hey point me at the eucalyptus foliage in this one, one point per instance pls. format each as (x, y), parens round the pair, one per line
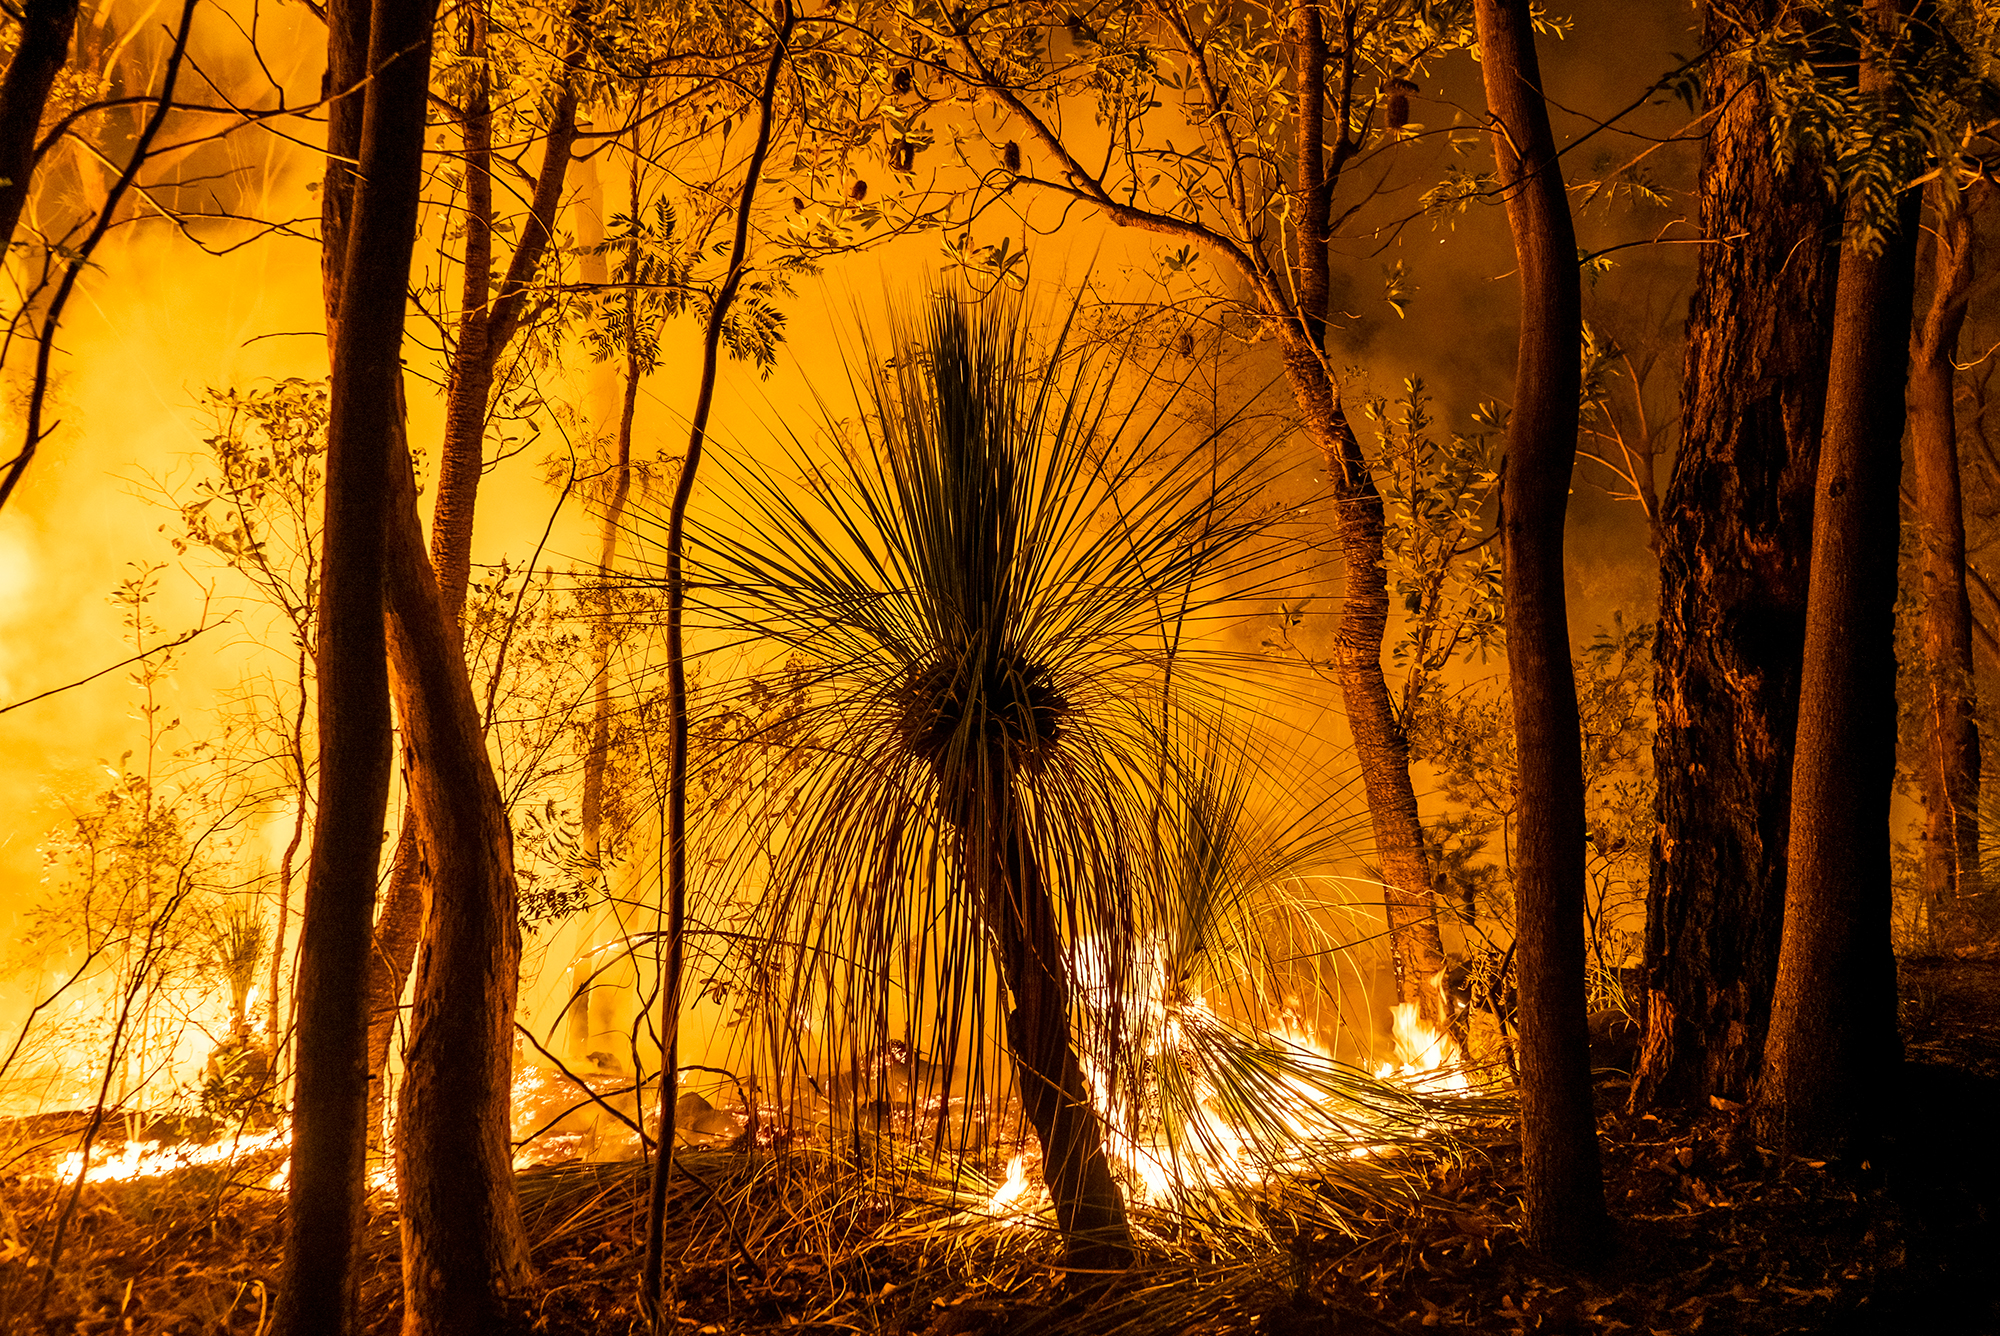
(1943, 98)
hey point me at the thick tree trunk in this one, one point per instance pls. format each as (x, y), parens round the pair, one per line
(39, 56)
(1945, 752)
(1833, 1015)
(1735, 540)
(464, 1253)
(1559, 1158)
(324, 1214)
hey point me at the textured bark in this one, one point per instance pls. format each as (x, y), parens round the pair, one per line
(1828, 1058)
(398, 928)
(1735, 543)
(1090, 1211)
(1416, 945)
(39, 56)
(324, 1215)
(1562, 1178)
(464, 1253)
(1945, 751)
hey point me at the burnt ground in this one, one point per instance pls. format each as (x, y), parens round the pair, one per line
(1711, 1234)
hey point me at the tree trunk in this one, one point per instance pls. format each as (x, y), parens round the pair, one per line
(397, 930)
(1006, 884)
(1379, 740)
(652, 1267)
(1945, 752)
(1735, 537)
(1416, 946)
(1292, 297)
(464, 1252)
(488, 319)
(324, 1214)
(43, 48)
(1559, 1158)
(274, 1023)
(590, 813)
(1833, 1014)
(487, 323)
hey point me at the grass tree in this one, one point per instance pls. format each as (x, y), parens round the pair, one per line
(982, 593)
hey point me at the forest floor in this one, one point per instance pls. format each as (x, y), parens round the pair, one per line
(1710, 1234)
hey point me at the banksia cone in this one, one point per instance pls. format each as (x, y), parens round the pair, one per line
(859, 191)
(1399, 103)
(1011, 156)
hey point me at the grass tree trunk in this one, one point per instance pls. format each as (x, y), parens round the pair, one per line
(1559, 1157)
(999, 859)
(1945, 751)
(1735, 546)
(324, 1214)
(1833, 1014)
(1292, 294)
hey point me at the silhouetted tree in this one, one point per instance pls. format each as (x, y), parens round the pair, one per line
(324, 1214)
(1559, 1159)
(1833, 1015)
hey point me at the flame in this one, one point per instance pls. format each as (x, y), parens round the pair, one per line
(1297, 1123)
(1003, 1200)
(149, 1159)
(1424, 1055)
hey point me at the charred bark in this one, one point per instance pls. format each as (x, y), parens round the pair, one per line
(1735, 538)
(1090, 1210)
(39, 56)
(1945, 752)
(1559, 1157)
(324, 1215)
(1833, 1016)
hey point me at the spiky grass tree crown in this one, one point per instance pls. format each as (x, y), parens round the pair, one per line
(988, 591)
